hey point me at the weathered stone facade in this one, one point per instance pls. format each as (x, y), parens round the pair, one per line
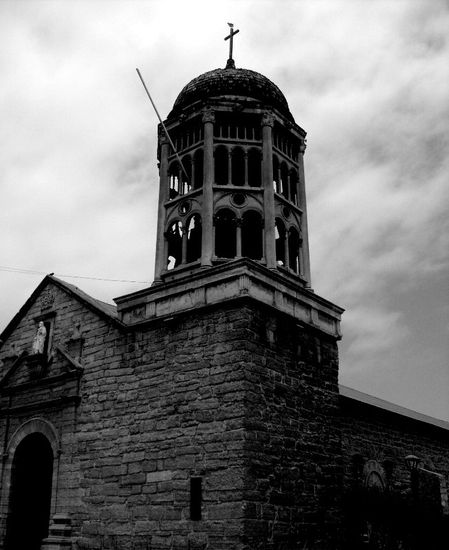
(204, 411)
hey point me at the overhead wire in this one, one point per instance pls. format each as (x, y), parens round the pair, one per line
(23, 271)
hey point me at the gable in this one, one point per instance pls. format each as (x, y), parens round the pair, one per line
(71, 321)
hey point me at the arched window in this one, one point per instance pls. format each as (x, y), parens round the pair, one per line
(174, 248)
(225, 234)
(254, 168)
(252, 240)
(280, 242)
(194, 238)
(284, 180)
(293, 249)
(198, 167)
(173, 179)
(221, 165)
(294, 186)
(186, 179)
(238, 166)
(276, 175)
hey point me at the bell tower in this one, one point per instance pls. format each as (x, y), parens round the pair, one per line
(237, 355)
(234, 187)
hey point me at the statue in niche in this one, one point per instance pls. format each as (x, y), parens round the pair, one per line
(39, 339)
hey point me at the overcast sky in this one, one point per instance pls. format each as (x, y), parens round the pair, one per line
(368, 81)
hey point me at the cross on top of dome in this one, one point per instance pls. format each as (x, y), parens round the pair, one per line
(230, 63)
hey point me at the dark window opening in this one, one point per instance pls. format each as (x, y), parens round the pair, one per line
(254, 168)
(194, 238)
(221, 166)
(174, 241)
(238, 166)
(196, 498)
(198, 161)
(280, 242)
(252, 238)
(293, 249)
(225, 234)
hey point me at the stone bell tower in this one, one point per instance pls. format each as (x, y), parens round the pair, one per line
(236, 353)
(234, 187)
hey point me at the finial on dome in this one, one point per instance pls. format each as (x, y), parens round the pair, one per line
(230, 63)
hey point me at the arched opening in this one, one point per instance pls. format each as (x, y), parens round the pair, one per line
(198, 162)
(254, 168)
(194, 238)
(221, 165)
(186, 175)
(280, 242)
(293, 249)
(173, 181)
(276, 175)
(225, 234)
(284, 180)
(294, 187)
(30, 496)
(252, 239)
(238, 166)
(174, 242)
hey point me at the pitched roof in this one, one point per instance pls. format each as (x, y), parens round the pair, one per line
(103, 309)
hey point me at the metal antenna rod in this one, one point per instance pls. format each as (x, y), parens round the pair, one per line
(163, 126)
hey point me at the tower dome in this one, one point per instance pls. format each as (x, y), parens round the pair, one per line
(232, 81)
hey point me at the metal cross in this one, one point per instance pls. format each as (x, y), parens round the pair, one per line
(231, 38)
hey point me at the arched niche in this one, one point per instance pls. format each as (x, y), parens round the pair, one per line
(29, 484)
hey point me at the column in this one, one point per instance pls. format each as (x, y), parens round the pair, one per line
(161, 260)
(303, 206)
(238, 233)
(246, 167)
(229, 166)
(268, 194)
(208, 180)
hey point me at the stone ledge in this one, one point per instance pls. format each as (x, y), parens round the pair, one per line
(218, 284)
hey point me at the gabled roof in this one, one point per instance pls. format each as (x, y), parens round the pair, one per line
(106, 311)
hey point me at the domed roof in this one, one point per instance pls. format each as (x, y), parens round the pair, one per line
(232, 81)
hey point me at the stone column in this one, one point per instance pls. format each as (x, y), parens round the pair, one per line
(208, 180)
(303, 206)
(161, 260)
(268, 194)
(238, 234)
(229, 166)
(246, 167)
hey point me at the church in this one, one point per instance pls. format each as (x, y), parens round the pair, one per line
(204, 412)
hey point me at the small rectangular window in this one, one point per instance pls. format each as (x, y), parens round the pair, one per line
(195, 498)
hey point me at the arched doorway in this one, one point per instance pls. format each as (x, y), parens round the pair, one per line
(30, 493)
